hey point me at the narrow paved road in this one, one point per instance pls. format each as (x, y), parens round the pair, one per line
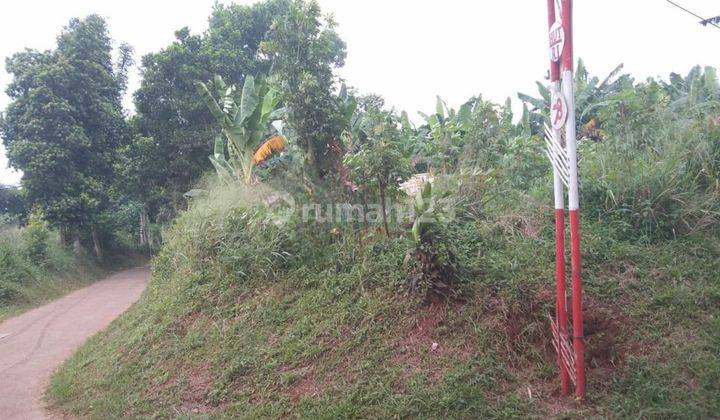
(35, 343)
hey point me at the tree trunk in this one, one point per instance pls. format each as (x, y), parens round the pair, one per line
(365, 209)
(77, 247)
(312, 159)
(96, 243)
(63, 236)
(144, 226)
(384, 211)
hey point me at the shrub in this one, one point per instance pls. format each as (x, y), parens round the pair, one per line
(654, 191)
(431, 264)
(13, 268)
(35, 237)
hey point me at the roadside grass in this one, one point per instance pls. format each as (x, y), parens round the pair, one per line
(27, 282)
(230, 326)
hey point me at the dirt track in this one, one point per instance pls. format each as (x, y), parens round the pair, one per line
(35, 343)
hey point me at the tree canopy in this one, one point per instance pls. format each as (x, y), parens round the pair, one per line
(305, 49)
(65, 121)
(169, 109)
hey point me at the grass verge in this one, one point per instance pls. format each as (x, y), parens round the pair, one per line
(35, 269)
(243, 319)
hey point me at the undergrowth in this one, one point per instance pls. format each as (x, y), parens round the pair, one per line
(247, 316)
(34, 268)
(252, 312)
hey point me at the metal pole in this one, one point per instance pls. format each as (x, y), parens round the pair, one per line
(560, 293)
(574, 207)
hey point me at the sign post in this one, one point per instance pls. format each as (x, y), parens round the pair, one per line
(558, 116)
(564, 161)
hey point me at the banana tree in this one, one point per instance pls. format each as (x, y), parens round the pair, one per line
(699, 90)
(431, 264)
(441, 139)
(244, 118)
(590, 94)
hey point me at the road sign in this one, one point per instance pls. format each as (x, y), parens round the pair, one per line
(558, 110)
(570, 347)
(557, 155)
(557, 41)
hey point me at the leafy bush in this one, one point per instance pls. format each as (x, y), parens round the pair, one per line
(35, 268)
(431, 265)
(35, 237)
(13, 268)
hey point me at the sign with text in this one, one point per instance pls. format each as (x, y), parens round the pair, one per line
(557, 41)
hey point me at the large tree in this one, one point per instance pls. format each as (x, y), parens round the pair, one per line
(305, 49)
(65, 123)
(11, 201)
(169, 108)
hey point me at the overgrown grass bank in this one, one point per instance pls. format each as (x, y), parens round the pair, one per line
(245, 317)
(252, 312)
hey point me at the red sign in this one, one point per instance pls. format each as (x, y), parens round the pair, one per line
(558, 111)
(557, 41)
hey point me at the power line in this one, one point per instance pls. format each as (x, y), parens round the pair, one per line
(703, 21)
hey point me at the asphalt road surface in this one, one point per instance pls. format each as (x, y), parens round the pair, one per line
(34, 344)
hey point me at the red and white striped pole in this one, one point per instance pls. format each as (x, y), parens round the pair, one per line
(560, 293)
(573, 200)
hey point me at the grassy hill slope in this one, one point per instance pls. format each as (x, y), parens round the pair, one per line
(247, 318)
(252, 315)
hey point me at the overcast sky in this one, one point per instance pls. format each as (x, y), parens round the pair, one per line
(411, 50)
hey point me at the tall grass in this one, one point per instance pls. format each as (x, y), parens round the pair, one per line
(35, 268)
(654, 183)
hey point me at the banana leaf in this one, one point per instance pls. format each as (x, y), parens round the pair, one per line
(350, 107)
(405, 121)
(544, 92)
(219, 85)
(270, 101)
(416, 233)
(223, 168)
(607, 82)
(209, 101)
(464, 116)
(535, 102)
(248, 101)
(440, 107)
(278, 114)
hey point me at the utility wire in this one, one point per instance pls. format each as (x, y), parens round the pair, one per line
(703, 21)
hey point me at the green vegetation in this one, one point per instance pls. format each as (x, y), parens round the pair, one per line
(248, 319)
(174, 117)
(298, 282)
(243, 117)
(377, 162)
(35, 268)
(304, 49)
(258, 311)
(65, 124)
(12, 204)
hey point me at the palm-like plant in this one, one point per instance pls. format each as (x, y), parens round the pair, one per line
(440, 139)
(590, 93)
(699, 90)
(431, 264)
(244, 118)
